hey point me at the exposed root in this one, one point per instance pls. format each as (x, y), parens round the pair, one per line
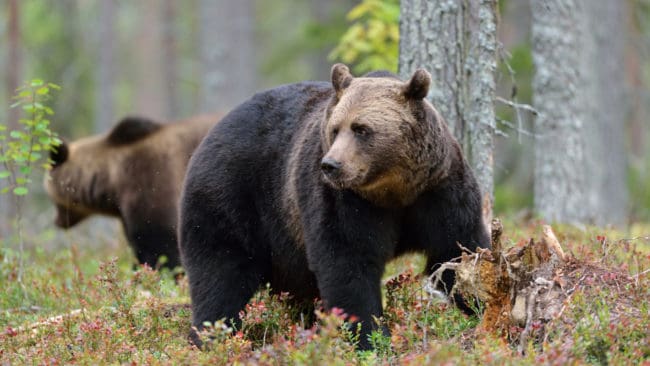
(527, 287)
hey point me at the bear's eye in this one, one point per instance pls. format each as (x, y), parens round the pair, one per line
(335, 132)
(360, 130)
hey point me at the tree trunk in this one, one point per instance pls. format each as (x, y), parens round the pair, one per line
(456, 42)
(605, 131)
(580, 168)
(170, 59)
(105, 116)
(150, 94)
(227, 53)
(559, 150)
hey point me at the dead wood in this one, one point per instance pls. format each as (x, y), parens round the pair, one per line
(525, 287)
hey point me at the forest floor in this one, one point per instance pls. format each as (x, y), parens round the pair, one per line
(84, 306)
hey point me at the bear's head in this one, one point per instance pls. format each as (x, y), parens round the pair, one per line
(82, 179)
(379, 136)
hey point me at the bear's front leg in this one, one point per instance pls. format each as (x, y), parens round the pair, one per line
(347, 251)
(442, 219)
(354, 287)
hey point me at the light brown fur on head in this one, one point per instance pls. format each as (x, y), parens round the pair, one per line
(383, 134)
(100, 176)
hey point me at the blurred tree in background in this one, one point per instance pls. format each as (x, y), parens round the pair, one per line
(463, 67)
(150, 57)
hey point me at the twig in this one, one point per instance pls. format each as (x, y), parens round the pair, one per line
(636, 276)
(436, 277)
(519, 130)
(526, 107)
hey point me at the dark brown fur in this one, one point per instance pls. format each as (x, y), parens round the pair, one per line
(313, 187)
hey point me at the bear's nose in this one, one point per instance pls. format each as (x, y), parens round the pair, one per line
(330, 166)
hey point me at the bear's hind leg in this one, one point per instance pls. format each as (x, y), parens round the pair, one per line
(220, 286)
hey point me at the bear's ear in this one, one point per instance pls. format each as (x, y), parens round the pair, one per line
(131, 129)
(59, 154)
(341, 78)
(418, 87)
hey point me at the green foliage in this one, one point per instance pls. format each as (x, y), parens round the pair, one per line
(55, 37)
(372, 41)
(22, 149)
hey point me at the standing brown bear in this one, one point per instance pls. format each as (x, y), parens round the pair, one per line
(313, 187)
(134, 173)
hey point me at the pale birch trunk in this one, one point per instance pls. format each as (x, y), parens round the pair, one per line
(456, 41)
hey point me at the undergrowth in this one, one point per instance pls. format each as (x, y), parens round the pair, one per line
(88, 307)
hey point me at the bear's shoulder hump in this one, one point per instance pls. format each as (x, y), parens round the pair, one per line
(131, 129)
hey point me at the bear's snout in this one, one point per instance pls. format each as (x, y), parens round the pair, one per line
(330, 167)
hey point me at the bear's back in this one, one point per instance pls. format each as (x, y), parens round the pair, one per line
(271, 116)
(259, 132)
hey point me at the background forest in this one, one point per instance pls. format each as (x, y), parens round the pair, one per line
(171, 59)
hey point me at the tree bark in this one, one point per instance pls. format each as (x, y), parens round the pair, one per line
(105, 115)
(580, 168)
(150, 95)
(227, 53)
(559, 150)
(456, 42)
(605, 133)
(170, 59)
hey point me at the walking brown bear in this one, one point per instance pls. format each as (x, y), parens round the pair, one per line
(313, 187)
(135, 173)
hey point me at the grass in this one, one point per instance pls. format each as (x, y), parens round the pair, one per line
(90, 307)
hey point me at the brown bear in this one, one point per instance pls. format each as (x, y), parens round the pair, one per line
(135, 173)
(313, 187)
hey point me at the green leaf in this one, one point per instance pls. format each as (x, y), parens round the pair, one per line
(43, 90)
(19, 158)
(20, 191)
(25, 170)
(16, 134)
(5, 174)
(21, 180)
(54, 86)
(36, 82)
(4, 190)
